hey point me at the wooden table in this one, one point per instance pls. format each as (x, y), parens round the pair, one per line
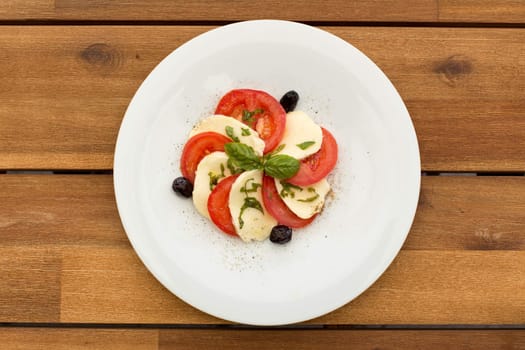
(68, 275)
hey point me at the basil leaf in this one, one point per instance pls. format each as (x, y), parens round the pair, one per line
(274, 152)
(231, 135)
(252, 202)
(214, 179)
(247, 190)
(278, 149)
(288, 190)
(242, 156)
(281, 166)
(245, 132)
(233, 169)
(249, 202)
(248, 116)
(309, 199)
(305, 144)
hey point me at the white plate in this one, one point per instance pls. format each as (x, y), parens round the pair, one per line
(376, 182)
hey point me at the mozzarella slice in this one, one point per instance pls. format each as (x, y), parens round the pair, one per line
(212, 168)
(220, 123)
(302, 137)
(256, 225)
(303, 201)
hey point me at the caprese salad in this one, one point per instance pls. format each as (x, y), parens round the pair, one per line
(257, 168)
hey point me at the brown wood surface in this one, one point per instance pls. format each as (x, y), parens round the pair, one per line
(69, 278)
(196, 339)
(463, 88)
(484, 11)
(488, 11)
(222, 10)
(341, 339)
(92, 339)
(64, 251)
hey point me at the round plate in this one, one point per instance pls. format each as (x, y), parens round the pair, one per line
(375, 183)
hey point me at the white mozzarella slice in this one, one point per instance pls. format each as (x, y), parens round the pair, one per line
(220, 124)
(210, 170)
(303, 201)
(256, 225)
(302, 137)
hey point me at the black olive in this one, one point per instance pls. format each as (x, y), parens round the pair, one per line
(281, 234)
(182, 186)
(289, 100)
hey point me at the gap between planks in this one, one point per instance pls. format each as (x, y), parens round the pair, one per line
(159, 23)
(241, 327)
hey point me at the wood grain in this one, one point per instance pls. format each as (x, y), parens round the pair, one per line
(463, 263)
(67, 339)
(469, 213)
(30, 284)
(196, 339)
(56, 210)
(221, 10)
(482, 11)
(462, 87)
(485, 11)
(340, 339)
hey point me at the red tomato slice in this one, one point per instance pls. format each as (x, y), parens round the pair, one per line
(197, 148)
(258, 110)
(277, 208)
(317, 166)
(218, 205)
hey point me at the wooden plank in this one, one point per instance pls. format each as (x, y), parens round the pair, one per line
(340, 339)
(55, 210)
(30, 284)
(85, 271)
(469, 213)
(482, 11)
(67, 339)
(195, 339)
(73, 86)
(485, 11)
(221, 10)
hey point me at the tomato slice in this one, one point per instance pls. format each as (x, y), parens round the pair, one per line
(317, 166)
(258, 110)
(277, 208)
(218, 205)
(197, 148)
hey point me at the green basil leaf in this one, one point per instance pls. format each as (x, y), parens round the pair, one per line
(248, 116)
(278, 149)
(274, 152)
(289, 190)
(249, 202)
(305, 144)
(242, 156)
(231, 135)
(309, 199)
(232, 167)
(254, 187)
(281, 166)
(245, 132)
(252, 202)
